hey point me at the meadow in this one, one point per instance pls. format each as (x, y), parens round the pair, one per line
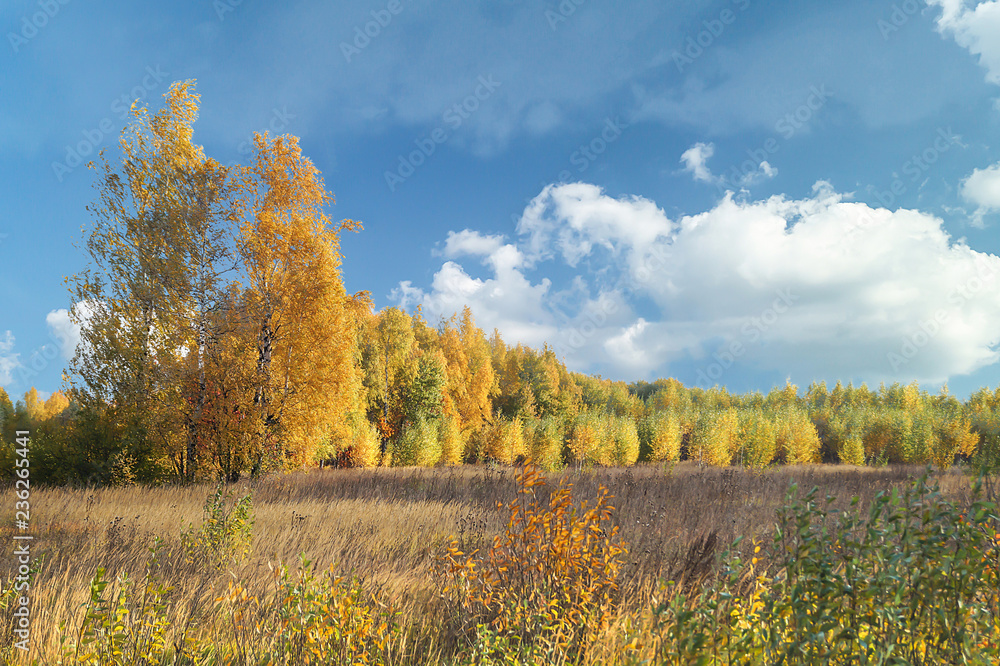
(344, 566)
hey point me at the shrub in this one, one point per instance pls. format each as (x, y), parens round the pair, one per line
(853, 451)
(715, 437)
(118, 630)
(756, 439)
(797, 441)
(588, 439)
(889, 435)
(418, 445)
(225, 536)
(916, 581)
(328, 620)
(504, 441)
(624, 440)
(364, 447)
(547, 583)
(953, 437)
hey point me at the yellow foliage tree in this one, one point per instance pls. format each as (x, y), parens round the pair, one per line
(306, 382)
(133, 302)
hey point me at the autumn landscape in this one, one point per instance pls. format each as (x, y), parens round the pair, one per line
(603, 431)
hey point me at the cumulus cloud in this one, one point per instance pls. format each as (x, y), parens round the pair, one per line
(975, 27)
(64, 330)
(8, 359)
(507, 301)
(821, 287)
(695, 160)
(982, 189)
(470, 242)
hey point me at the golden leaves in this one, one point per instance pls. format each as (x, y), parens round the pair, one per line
(551, 572)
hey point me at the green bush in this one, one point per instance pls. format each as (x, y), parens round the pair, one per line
(544, 439)
(119, 630)
(327, 619)
(225, 536)
(418, 445)
(913, 582)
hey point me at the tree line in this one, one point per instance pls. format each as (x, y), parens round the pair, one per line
(218, 340)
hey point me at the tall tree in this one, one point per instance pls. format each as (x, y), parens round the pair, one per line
(306, 382)
(389, 361)
(132, 301)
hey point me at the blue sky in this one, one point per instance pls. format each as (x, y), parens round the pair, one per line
(731, 192)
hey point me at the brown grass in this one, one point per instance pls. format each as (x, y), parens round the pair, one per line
(388, 526)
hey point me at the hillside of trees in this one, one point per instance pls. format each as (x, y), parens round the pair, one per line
(218, 340)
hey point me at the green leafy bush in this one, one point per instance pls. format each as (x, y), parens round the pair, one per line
(544, 439)
(117, 629)
(418, 445)
(916, 581)
(224, 538)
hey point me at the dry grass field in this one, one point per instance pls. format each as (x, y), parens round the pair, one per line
(389, 527)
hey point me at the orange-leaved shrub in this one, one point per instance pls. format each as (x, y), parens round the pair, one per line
(547, 586)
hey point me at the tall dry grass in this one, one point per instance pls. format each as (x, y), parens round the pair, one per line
(390, 526)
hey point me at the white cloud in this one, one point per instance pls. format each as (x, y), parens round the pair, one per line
(975, 28)
(695, 161)
(817, 287)
(572, 219)
(982, 188)
(8, 359)
(62, 328)
(471, 242)
(507, 301)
